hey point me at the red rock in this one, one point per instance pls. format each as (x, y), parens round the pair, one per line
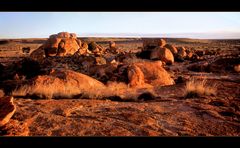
(153, 74)
(60, 83)
(162, 54)
(112, 44)
(135, 76)
(172, 48)
(182, 52)
(237, 68)
(63, 35)
(73, 35)
(7, 109)
(70, 46)
(62, 44)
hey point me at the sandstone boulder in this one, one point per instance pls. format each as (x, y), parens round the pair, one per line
(52, 43)
(70, 46)
(172, 48)
(60, 83)
(135, 76)
(7, 109)
(162, 54)
(62, 44)
(152, 72)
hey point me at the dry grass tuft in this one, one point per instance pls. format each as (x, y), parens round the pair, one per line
(121, 90)
(198, 88)
(46, 91)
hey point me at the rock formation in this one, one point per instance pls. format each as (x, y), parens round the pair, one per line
(152, 72)
(162, 54)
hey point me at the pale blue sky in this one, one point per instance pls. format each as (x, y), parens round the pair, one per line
(43, 24)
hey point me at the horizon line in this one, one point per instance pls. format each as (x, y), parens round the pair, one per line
(210, 35)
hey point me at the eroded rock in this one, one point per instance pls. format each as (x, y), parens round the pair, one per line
(7, 109)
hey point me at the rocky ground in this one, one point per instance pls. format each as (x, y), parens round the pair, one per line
(168, 113)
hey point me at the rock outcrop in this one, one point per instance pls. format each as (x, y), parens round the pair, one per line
(61, 44)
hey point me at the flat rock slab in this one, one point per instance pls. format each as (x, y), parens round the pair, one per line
(81, 117)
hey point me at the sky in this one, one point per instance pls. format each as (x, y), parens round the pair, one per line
(137, 24)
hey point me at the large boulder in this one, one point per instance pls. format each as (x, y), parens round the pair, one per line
(152, 72)
(60, 84)
(172, 48)
(7, 110)
(52, 44)
(61, 44)
(69, 47)
(162, 54)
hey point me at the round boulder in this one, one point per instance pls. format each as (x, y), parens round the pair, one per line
(163, 54)
(152, 72)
